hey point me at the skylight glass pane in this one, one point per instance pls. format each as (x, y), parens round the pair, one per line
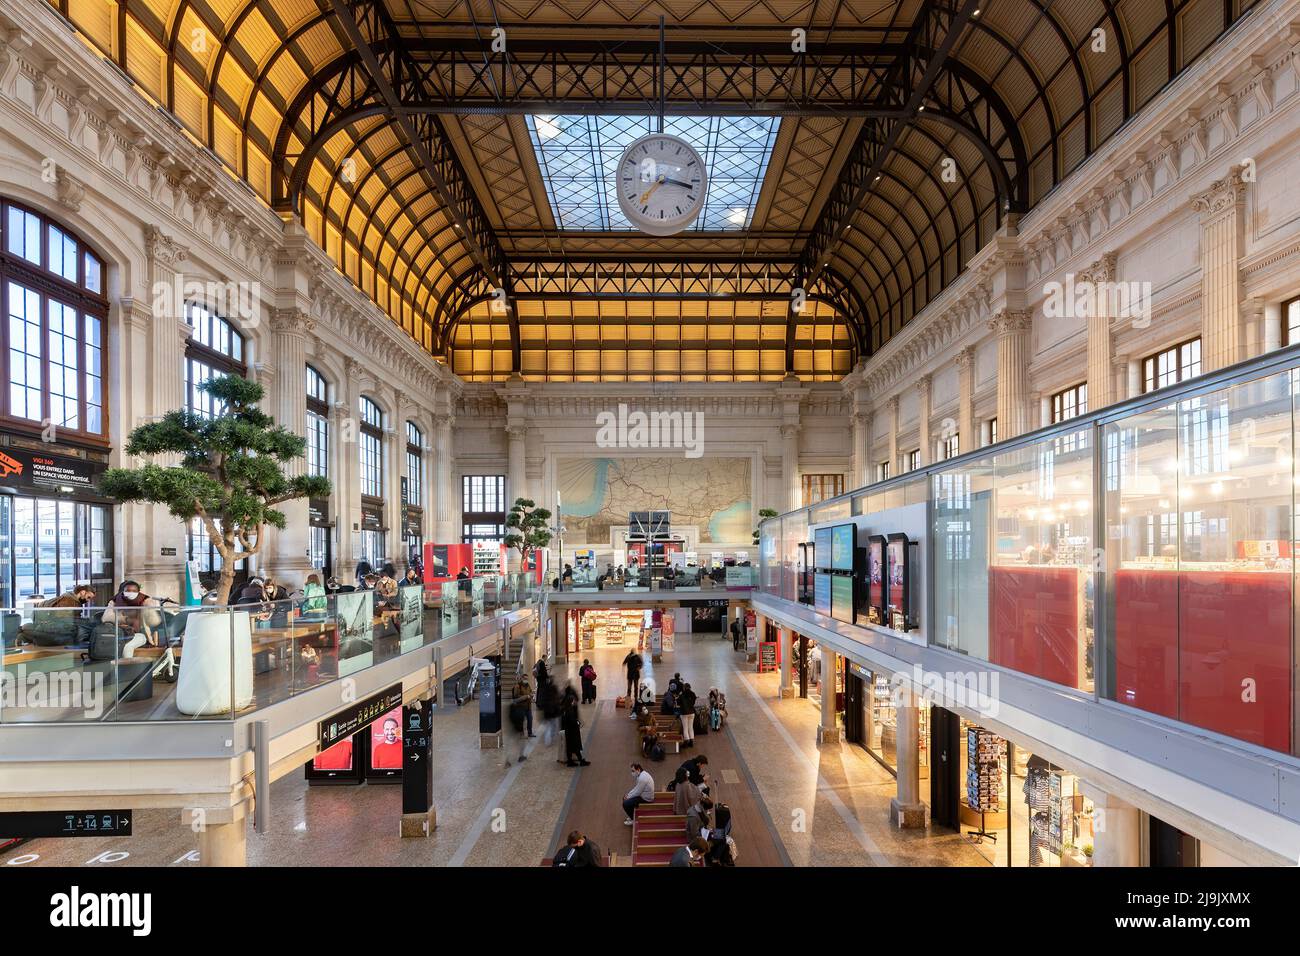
(578, 155)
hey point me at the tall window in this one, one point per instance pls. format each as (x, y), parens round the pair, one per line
(882, 471)
(821, 487)
(372, 449)
(52, 289)
(993, 431)
(914, 459)
(951, 447)
(1171, 366)
(1291, 321)
(1069, 403)
(318, 425)
(483, 508)
(414, 466)
(214, 348)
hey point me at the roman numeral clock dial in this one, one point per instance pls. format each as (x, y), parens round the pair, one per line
(661, 184)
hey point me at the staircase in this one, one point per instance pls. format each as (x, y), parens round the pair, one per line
(510, 668)
(657, 832)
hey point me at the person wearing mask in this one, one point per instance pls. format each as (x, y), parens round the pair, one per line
(332, 586)
(571, 726)
(588, 675)
(643, 791)
(368, 582)
(578, 851)
(697, 818)
(130, 605)
(686, 708)
(691, 854)
(632, 663)
(685, 793)
(277, 595)
(314, 600)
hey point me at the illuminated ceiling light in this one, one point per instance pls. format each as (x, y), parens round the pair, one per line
(546, 128)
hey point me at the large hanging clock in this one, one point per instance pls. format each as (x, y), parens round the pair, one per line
(661, 183)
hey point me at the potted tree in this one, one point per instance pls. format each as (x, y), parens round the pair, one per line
(230, 475)
(530, 529)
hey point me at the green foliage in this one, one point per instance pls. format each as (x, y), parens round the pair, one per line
(763, 515)
(530, 527)
(230, 472)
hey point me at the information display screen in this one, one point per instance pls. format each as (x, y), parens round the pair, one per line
(386, 744)
(843, 541)
(822, 540)
(842, 598)
(822, 593)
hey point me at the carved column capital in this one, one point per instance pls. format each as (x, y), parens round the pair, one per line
(1006, 322)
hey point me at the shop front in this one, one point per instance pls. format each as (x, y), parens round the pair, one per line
(588, 630)
(55, 529)
(871, 720)
(1015, 807)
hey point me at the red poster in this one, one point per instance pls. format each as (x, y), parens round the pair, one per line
(386, 741)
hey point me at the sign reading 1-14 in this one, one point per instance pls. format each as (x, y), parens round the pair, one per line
(66, 823)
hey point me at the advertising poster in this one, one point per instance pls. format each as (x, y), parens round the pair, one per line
(356, 623)
(822, 593)
(668, 626)
(897, 552)
(411, 618)
(450, 607)
(386, 745)
(751, 630)
(337, 758)
(842, 598)
(766, 656)
(843, 541)
(822, 540)
(476, 592)
(876, 576)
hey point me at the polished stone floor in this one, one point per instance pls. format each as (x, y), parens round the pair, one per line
(827, 805)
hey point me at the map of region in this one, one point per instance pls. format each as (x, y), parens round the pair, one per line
(711, 494)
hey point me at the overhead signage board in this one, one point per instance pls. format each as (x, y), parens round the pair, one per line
(347, 722)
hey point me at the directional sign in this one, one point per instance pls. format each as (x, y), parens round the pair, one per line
(66, 823)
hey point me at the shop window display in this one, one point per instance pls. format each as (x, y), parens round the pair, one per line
(880, 728)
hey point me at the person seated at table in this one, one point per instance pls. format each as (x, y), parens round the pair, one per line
(252, 598)
(386, 593)
(411, 577)
(314, 599)
(138, 620)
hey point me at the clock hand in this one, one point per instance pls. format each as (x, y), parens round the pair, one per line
(678, 182)
(645, 196)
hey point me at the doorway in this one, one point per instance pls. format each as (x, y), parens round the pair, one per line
(1170, 846)
(855, 702)
(48, 545)
(945, 776)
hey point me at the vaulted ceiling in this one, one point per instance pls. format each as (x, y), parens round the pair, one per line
(397, 130)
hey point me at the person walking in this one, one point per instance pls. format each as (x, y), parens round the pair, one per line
(573, 734)
(686, 708)
(643, 791)
(588, 675)
(521, 714)
(632, 663)
(691, 854)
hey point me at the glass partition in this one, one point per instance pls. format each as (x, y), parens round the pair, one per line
(1200, 545)
(794, 532)
(962, 532)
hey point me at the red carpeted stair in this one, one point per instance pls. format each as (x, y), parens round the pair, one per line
(657, 832)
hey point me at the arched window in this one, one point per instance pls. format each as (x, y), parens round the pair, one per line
(372, 449)
(318, 425)
(53, 297)
(215, 347)
(414, 465)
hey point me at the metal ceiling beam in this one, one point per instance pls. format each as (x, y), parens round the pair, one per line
(932, 37)
(393, 73)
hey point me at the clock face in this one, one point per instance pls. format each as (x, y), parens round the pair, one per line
(661, 184)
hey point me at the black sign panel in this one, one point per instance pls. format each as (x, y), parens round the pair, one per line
(371, 519)
(347, 722)
(711, 602)
(29, 469)
(766, 656)
(489, 699)
(66, 823)
(417, 757)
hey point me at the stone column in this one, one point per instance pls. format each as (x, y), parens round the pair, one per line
(1117, 829)
(790, 466)
(164, 392)
(906, 811)
(1222, 208)
(923, 386)
(861, 449)
(1132, 375)
(968, 434)
(394, 469)
(829, 731)
(223, 836)
(447, 503)
(786, 639)
(516, 477)
(1014, 331)
(894, 466)
(290, 327)
(1100, 378)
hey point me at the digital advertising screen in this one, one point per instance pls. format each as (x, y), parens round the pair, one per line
(822, 540)
(842, 598)
(338, 764)
(876, 575)
(843, 541)
(385, 758)
(897, 551)
(822, 593)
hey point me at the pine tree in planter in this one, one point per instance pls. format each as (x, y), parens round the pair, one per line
(230, 477)
(530, 529)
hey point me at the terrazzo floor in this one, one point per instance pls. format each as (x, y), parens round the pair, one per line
(823, 805)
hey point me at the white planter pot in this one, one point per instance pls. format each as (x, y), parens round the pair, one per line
(203, 684)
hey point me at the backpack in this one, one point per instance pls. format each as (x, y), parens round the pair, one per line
(657, 751)
(715, 719)
(562, 858)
